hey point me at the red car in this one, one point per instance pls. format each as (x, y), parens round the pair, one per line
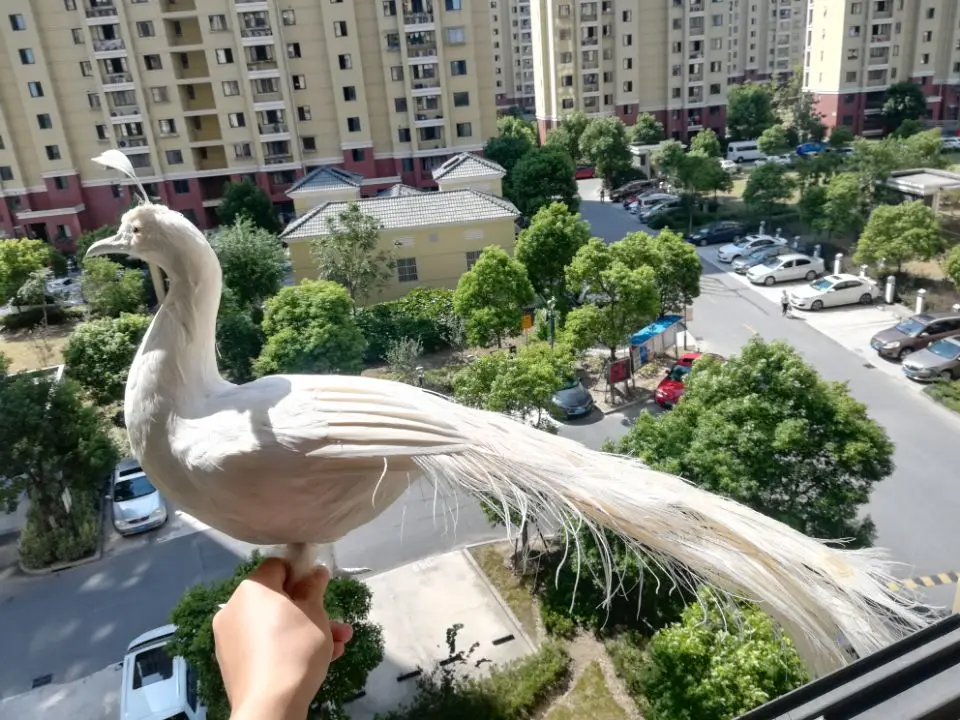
(670, 389)
(584, 172)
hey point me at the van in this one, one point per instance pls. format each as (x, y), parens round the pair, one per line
(744, 151)
(156, 686)
(647, 201)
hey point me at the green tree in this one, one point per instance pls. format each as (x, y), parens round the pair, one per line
(773, 140)
(347, 600)
(541, 177)
(706, 143)
(239, 339)
(647, 130)
(623, 293)
(548, 246)
(765, 430)
(669, 158)
(692, 174)
(51, 442)
(310, 328)
(604, 144)
(720, 661)
(899, 233)
(797, 109)
(769, 186)
(842, 204)
(246, 200)
(909, 128)
(110, 289)
(99, 354)
(951, 268)
(568, 133)
(349, 253)
(491, 297)
(812, 206)
(510, 126)
(675, 263)
(841, 136)
(18, 259)
(507, 151)
(253, 262)
(749, 111)
(904, 101)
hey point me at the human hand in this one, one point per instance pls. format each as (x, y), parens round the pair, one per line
(275, 644)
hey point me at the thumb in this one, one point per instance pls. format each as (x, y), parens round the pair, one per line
(313, 587)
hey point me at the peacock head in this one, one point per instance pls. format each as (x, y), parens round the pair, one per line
(154, 234)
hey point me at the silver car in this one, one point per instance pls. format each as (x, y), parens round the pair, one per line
(746, 245)
(834, 290)
(741, 265)
(137, 505)
(785, 268)
(939, 361)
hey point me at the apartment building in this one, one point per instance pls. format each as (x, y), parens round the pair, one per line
(512, 54)
(201, 93)
(673, 59)
(856, 50)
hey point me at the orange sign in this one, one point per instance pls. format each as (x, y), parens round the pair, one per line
(527, 321)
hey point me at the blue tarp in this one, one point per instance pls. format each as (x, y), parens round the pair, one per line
(655, 328)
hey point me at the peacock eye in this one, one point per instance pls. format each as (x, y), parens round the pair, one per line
(136, 230)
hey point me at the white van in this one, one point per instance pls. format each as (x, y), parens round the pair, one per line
(744, 151)
(155, 685)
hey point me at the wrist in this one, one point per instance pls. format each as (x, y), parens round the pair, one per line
(274, 705)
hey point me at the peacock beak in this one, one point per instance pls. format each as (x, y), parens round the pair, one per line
(116, 245)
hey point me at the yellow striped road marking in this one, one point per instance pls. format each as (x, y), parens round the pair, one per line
(925, 581)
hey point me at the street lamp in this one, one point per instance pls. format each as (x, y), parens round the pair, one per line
(551, 307)
(420, 375)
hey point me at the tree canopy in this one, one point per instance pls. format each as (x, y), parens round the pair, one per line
(350, 253)
(769, 185)
(899, 233)
(310, 328)
(773, 140)
(909, 128)
(110, 289)
(239, 338)
(253, 262)
(541, 177)
(568, 133)
(246, 200)
(99, 354)
(507, 151)
(765, 430)
(548, 246)
(511, 126)
(604, 144)
(18, 259)
(842, 205)
(675, 263)
(797, 109)
(904, 101)
(491, 297)
(706, 143)
(841, 136)
(749, 111)
(647, 130)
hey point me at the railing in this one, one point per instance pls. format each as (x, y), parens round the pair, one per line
(589, 41)
(117, 78)
(124, 111)
(428, 115)
(591, 88)
(882, 60)
(696, 55)
(108, 45)
(694, 122)
(589, 17)
(882, 14)
(591, 65)
(132, 141)
(696, 31)
(256, 32)
(261, 65)
(695, 77)
(278, 158)
(243, 2)
(696, 7)
(99, 12)
(267, 96)
(272, 128)
(877, 82)
(426, 85)
(880, 38)
(417, 18)
(424, 52)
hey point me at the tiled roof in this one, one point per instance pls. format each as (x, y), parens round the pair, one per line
(326, 178)
(466, 165)
(400, 190)
(408, 211)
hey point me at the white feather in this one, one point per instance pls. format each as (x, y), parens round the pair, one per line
(116, 160)
(303, 459)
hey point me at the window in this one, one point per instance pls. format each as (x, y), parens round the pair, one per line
(675, 93)
(299, 82)
(224, 56)
(928, 35)
(218, 23)
(456, 36)
(93, 99)
(406, 165)
(340, 28)
(61, 183)
(86, 68)
(174, 157)
(289, 17)
(353, 124)
(303, 113)
(293, 50)
(77, 35)
(53, 152)
(856, 8)
(458, 67)
(464, 130)
(36, 89)
(628, 63)
(6, 172)
(566, 103)
(44, 121)
(102, 132)
(396, 72)
(168, 127)
(851, 76)
(116, 191)
(181, 187)
(159, 95)
(403, 135)
(17, 22)
(566, 57)
(349, 93)
(309, 144)
(453, 5)
(628, 86)
(715, 89)
(853, 54)
(193, 699)
(627, 15)
(236, 120)
(152, 62)
(407, 269)
(461, 99)
(931, 13)
(627, 40)
(345, 61)
(389, 8)
(472, 257)
(145, 28)
(242, 150)
(358, 155)
(400, 104)
(26, 56)
(230, 88)
(925, 59)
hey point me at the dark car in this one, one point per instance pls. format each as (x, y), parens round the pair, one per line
(715, 233)
(573, 400)
(915, 333)
(631, 189)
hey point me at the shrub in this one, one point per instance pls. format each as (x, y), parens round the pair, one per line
(32, 317)
(945, 393)
(626, 653)
(424, 314)
(42, 545)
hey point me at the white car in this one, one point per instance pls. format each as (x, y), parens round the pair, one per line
(746, 245)
(156, 686)
(729, 166)
(951, 144)
(784, 268)
(834, 290)
(645, 202)
(786, 159)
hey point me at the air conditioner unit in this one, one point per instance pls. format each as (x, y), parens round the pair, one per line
(122, 143)
(114, 113)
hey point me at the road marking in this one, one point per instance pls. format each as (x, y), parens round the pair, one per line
(752, 331)
(925, 581)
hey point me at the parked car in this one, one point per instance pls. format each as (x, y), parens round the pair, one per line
(741, 265)
(671, 388)
(729, 165)
(155, 686)
(632, 188)
(746, 245)
(785, 159)
(810, 149)
(939, 361)
(915, 333)
(137, 505)
(658, 209)
(741, 151)
(723, 231)
(573, 400)
(584, 172)
(833, 291)
(786, 268)
(950, 144)
(648, 200)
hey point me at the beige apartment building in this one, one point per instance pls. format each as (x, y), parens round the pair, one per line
(673, 59)
(512, 54)
(201, 92)
(856, 50)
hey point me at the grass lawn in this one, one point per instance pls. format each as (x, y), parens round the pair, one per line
(589, 698)
(515, 591)
(27, 352)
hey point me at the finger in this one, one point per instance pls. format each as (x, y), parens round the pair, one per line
(341, 632)
(338, 650)
(313, 587)
(271, 573)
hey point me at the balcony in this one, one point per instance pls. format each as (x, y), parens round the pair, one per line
(129, 113)
(197, 97)
(882, 14)
(589, 41)
(101, 14)
(418, 20)
(191, 65)
(133, 144)
(432, 144)
(589, 17)
(183, 7)
(244, 6)
(695, 77)
(106, 49)
(591, 88)
(696, 6)
(274, 128)
(423, 87)
(428, 118)
(696, 31)
(116, 82)
(183, 32)
(261, 62)
(213, 157)
(274, 96)
(421, 45)
(880, 38)
(879, 60)
(590, 65)
(251, 37)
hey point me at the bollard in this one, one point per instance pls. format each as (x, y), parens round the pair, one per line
(863, 271)
(796, 242)
(816, 250)
(778, 232)
(763, 225)
(890, 291)
(921, 300)
(956, 308)
(837, 263)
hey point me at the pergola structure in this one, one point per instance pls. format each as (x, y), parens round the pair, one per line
(924, 183)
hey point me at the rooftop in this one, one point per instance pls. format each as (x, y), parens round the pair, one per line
(923, 181)
(399, 190)
(325, 179)
(467, 165)
(408, 210)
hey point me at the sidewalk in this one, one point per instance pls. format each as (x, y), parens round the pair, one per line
(415, 604)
